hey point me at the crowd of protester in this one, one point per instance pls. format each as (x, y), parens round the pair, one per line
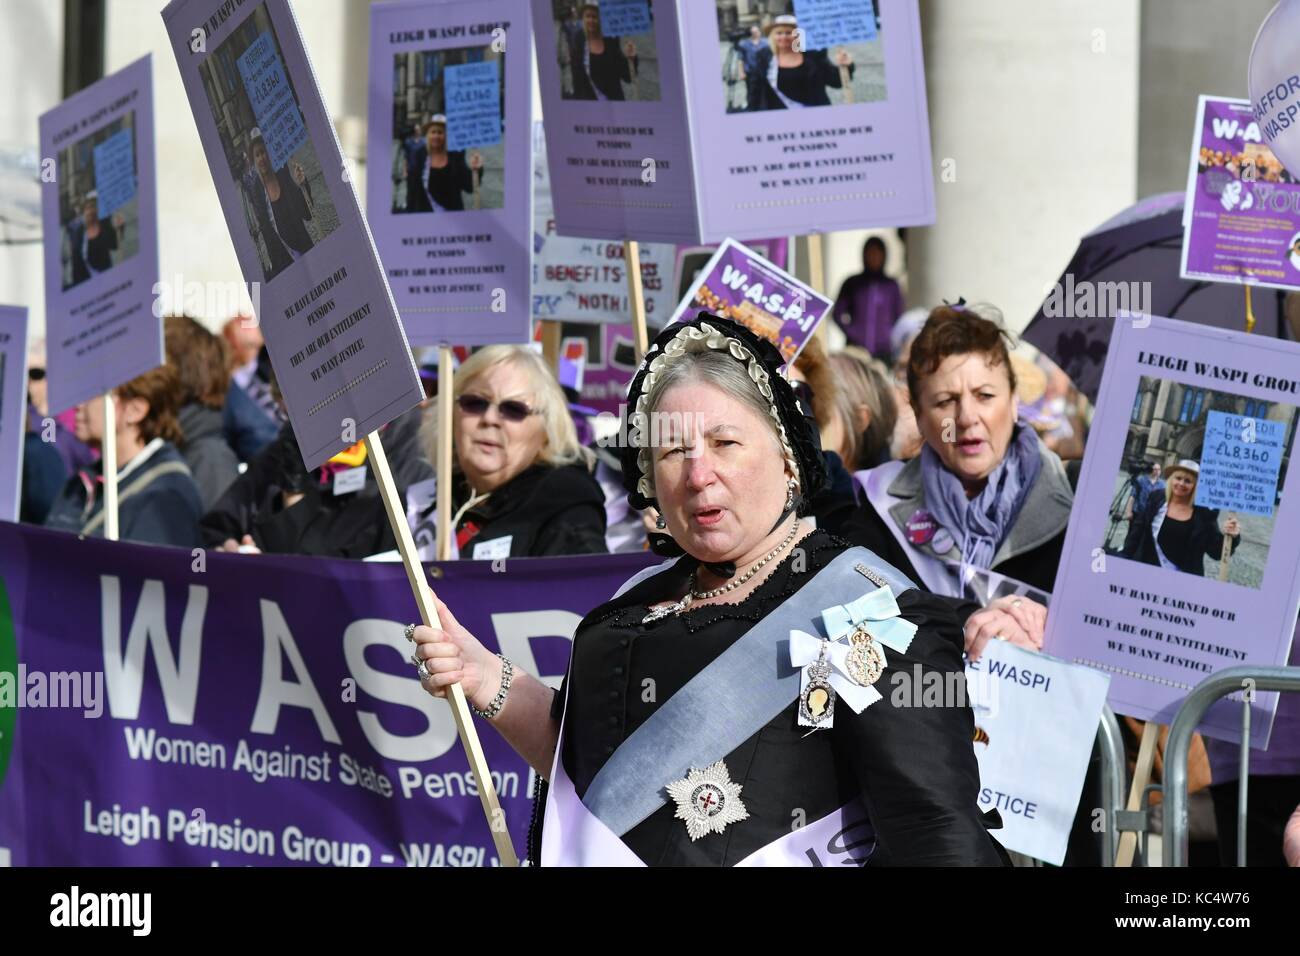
(922, 413)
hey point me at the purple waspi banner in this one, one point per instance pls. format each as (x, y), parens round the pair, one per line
(240, 709)
(1241, 220)
(341, 357)
(1162, 609)
(450, 205)
(13, 407)
(100, 214)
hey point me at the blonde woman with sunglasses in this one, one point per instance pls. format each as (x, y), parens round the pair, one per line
(523, 483)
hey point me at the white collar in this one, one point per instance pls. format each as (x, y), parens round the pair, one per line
(145, 453)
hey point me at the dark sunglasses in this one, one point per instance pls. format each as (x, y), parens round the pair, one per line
(36, 374)
(512, 410)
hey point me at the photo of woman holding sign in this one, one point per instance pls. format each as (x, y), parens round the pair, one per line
(794, 78)
(97, 202)
(1176, 533)
(280, 204)
(92, 241)
(267, 146)
(599, 65)
(438, 179)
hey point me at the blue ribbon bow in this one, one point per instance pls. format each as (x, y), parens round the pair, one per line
(878, 612)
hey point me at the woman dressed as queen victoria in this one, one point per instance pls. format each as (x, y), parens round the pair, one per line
(743, 687)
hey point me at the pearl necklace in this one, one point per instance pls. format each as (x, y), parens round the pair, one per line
(678, 607)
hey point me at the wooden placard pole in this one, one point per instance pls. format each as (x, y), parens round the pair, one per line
(446, 398)
(817, 277)
(816, 264)
(636, 295)
(1141, 775)
(429, 615)
(109, 462)
(552, 333)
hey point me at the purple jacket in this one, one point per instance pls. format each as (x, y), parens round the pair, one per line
(867, 308)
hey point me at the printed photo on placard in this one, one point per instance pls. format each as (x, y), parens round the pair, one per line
(287, 204)
(448, 130)
(792, 54)
(606, 50)
(1200, 480)
(97, 201)
(99, 224)
(1167, 577)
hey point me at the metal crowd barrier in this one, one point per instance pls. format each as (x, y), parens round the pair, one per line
(1180, 739)
(1114, 768)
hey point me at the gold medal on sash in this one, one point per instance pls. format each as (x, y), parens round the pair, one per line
(866, 661)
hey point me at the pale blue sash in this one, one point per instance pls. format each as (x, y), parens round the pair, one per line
(726, 703)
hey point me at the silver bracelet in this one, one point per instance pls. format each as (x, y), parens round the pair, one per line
(499, 701)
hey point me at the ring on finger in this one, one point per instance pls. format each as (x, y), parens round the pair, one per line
(1000, 637)
(409, 632)
(423, 671)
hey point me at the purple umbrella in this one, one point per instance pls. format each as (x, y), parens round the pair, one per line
(1132, 262)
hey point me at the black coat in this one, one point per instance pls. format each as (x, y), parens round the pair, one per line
(544, 510)
(1205, 538)
(344, 526)
(805, 83)
(447, 185)
(609, 71)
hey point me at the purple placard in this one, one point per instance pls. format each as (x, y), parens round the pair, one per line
(456, 241)
(799, 152)
(101, 271)
(1241, 219)
(740, 284)
(331, 327)
(585, 280)
(617, 134)
(263, 656)
(13, 407)
(1159, 630)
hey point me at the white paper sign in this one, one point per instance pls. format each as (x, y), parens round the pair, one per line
(1036, 718)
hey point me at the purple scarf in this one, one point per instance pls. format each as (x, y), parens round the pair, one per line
(980, 524)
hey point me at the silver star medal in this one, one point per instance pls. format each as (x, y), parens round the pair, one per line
(816, 695)
(707, 800)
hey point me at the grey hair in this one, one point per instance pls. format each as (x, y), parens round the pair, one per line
(723, 372)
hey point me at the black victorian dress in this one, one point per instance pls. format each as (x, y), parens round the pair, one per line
(913, 767)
